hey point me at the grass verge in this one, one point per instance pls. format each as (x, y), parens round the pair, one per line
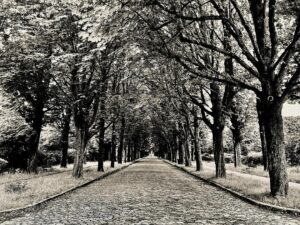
(293, 172)
(255, 187)
(21, 190)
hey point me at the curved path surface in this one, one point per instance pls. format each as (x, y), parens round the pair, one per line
(151, 192)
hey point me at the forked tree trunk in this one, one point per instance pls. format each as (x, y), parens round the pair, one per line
(64, 143)
(276, 150)
(81, 135)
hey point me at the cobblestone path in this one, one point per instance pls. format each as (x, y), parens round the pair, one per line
(151, 192)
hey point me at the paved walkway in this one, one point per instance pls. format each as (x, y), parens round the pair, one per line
(151, 192)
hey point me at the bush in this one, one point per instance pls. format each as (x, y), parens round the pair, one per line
(253, 159)
(3, 165)
(207, 157)
(48, 159)
(293, 153)
(13, 150)
(292, 129)
(228, 158)
(15, 187)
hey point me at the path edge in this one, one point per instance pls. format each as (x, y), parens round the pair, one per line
(10, 213)
(290, 211)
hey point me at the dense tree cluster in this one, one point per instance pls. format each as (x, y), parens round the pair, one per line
(180, 78)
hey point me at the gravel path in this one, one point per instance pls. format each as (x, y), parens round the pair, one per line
(151, 192)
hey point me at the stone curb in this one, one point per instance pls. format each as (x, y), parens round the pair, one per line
(10, 213)
(291, 211)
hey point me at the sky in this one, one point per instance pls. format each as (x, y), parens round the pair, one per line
(291, 109)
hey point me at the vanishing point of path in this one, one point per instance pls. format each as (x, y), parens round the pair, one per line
(151, 192)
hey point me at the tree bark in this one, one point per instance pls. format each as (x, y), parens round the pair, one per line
(34, 139)
(273, 122)
(262, 133)
(197, 145)
(217, 129)
(187, 147)
(237, 137)
(113, 145)
(134, 154)
(181, 151)
(219, 152)
(237, 152)
(125, 152)
(121, 146)
(64, 143)
(101, 144)
(129, 151)
(175, 146)
(33, 149)
(81, 134)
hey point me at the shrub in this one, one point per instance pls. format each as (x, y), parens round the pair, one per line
(207, 157)
(253, 159)
(293, 153)
(13, 150)
(48, 159)
(3, 165)
(228, 158)
(15, 187)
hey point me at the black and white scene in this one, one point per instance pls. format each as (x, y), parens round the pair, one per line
(150, 112)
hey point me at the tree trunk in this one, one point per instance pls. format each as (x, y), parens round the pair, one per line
(181, 152)
(175, 147)
(134, 150)
(218, 127)
(101, 145)
(80, 149)
(64, 143)
(33, 151)
(125, 151)
(113, 145)
(188, 157)
(34, 139)
(262, 133)
(237, 137)
(187, 147)
(219, 152)
(129, 151)
(120, 150)
(193, 151)
(276, 150)
(237, 153)
(198, 155)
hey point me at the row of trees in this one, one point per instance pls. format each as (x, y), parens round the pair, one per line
(198, 60)
(225, 48)
(56, 71)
